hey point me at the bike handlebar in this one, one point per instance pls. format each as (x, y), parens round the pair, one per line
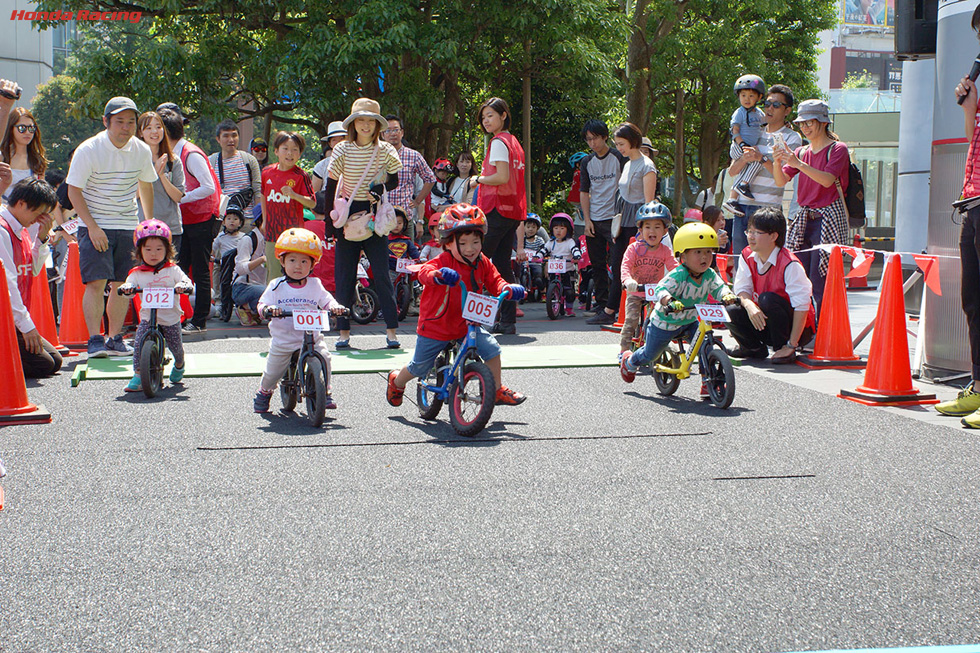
(136, 291)
(286, 312)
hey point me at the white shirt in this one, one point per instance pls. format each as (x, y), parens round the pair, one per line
(246, 254)
(798, 286)
(280, 294)
(197, 166)
(109, 177)
(498, 153)
(22, 318)
(167, 277)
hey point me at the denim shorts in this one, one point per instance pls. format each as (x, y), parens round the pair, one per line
(426, 350)
(113, 264)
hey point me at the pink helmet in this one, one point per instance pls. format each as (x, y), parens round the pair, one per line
(692, 215)
(151, 228)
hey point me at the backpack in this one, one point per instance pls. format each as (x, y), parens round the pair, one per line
(854, 197)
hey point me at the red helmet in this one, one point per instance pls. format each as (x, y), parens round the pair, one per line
(443, 164)
(434, 219)
(459, 218)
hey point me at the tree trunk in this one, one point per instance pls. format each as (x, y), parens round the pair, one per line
(527, 119)
(680, 174)
(637, 69)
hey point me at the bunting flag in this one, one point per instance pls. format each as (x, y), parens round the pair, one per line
(930, 270)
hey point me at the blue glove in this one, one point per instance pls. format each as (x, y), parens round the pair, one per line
(447, 277)
(517, 291)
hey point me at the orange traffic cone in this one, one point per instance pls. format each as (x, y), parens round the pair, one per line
(14, 406)
(42, 312)
(833, 348)
(73, 332)
(888, 379)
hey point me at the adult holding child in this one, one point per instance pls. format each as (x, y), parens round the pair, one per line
(775, 310)
(22, 148)
(502, 199)
(825, 165)
(362, 168)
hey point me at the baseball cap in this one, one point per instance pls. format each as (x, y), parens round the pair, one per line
(175, 107)
(119, 104)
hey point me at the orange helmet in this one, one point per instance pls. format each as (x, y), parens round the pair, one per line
(300, 241)
(462, 217)
(434, 219)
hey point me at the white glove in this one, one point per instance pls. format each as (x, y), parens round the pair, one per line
(632, 285)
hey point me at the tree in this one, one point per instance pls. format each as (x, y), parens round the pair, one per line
(63, 128)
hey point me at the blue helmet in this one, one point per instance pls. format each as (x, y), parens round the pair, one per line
(576, 158)
(533, 217)
(653, 211)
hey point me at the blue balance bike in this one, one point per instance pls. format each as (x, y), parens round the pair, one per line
(460, 377)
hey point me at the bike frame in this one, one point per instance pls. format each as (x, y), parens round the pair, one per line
(704, 333)
(463, 350)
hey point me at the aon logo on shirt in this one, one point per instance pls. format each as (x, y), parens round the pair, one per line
(276, 196)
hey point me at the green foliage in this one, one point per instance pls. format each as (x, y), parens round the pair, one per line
(862, 79)
(62, 128)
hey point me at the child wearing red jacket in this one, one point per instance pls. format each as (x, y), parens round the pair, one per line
(461, 231)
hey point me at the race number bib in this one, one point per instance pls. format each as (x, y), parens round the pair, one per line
(557, 266)
(311, 320)
(402, 265)
(71, 226)
(158, 297)
(712, 313)
(480, 309)
(650, 292)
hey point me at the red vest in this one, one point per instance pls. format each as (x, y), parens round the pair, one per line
(774, 279)
(23, 259)
(509, 199)
(203, 209)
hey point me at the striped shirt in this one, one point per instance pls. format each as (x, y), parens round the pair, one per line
(350, 160)
(109, 177)
(679, 284)
(235, 176)
(413, 165)
(763, 186)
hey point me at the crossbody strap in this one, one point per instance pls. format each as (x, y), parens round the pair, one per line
(364, 176)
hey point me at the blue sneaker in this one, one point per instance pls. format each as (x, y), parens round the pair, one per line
(176, 374)
(96, 347)
(135, 384)
(115, 346)
(261, 402)
(342, 344)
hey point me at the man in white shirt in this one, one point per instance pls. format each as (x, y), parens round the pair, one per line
(776, 309)
(105, 174)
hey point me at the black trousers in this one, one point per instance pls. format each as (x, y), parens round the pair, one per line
(604, 250)
(39, 366)
(970, 284)
(779, 324)
(497, 246)
(194, 259)
(348, 253)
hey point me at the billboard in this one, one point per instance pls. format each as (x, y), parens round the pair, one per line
(864, 13)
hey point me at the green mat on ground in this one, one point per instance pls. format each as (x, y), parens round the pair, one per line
(355, 361)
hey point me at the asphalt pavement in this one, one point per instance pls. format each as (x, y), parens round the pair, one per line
(596, 516)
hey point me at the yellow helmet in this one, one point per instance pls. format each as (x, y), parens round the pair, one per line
(300, 241)
(694, 235)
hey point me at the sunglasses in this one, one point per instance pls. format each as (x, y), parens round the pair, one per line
(26, 128)
(775, 104)
(260, 149)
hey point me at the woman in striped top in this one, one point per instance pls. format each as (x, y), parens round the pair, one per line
(348, 165)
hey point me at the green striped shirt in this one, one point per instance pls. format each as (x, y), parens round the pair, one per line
(679, 284)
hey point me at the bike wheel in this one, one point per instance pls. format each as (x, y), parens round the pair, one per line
(667, 383)
(589, 289)
(315, 385)
(403, 299)
(525, 281)
(555, 300)
(151, 365)
(471, 401)
(719, 375)
(429, 402)
(365, 308)
(288, 387)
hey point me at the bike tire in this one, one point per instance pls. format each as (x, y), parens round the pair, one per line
(667, 384)
(719, 376)
(288, 388)
(429, 402)
(403, 299)
(555, 300)
(151, 365)
(469, 416)
(589, 290)
(525, 281)
(365, 309)
(315, 384)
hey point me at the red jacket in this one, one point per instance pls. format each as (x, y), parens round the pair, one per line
(205, 208)
(441, 307)
(509, 199)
